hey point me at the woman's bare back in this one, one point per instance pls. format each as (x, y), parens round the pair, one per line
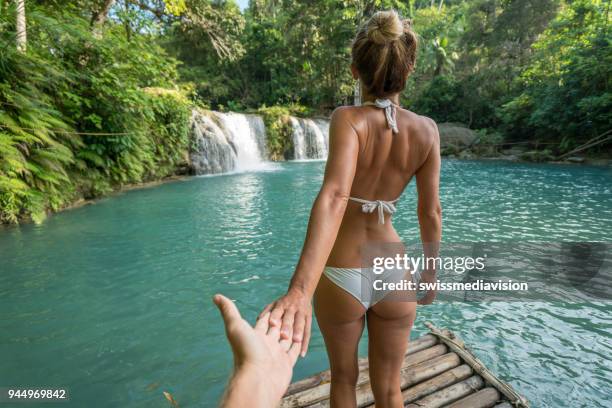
(385, 165)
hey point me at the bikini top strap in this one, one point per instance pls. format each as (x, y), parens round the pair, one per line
(382, 206)
(390, 111)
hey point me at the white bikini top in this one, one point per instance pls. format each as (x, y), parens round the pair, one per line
(368, 206)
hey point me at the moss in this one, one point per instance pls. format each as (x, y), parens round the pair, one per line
(278, 131)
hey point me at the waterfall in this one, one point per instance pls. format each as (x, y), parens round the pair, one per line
(248, 145)
(258, 129)
(323, 125)
(224, 142)
(235, 142)
(299, 144)
(210, 151)
(309, 138)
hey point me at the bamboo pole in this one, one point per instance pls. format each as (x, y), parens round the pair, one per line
(592, 142)
(485, 398)
(457, 346)
(413, 374)
(443, 380)
(408, 376)
(414, 346)
(436, 383)
(449, 394)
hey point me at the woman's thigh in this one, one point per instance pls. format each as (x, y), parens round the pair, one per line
(341, 319)
(389, 324)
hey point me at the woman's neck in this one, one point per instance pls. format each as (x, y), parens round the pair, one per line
(365, 97)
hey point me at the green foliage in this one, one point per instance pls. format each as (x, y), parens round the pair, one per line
(278, 131)
(566, 89)
(519, 68)
(35, 149)
(77, 117)
(208, 41)
(88, 109)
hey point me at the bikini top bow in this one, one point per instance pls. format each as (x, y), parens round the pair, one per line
(390, 111)
(368, 206)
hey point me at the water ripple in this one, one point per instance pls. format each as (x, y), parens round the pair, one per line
(113, 300)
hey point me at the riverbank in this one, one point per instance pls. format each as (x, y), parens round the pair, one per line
(212, 142)
(458, 141)
(528, 157)
(82, 202)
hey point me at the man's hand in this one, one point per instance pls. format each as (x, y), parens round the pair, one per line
(293, 314)
(262, 359)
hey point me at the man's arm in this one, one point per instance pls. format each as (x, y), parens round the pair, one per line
(263, 362)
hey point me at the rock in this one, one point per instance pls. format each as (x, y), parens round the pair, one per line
(466, 154)
(599, 162)
(509, 157)
(455, 135)
(537, 155)
(575, 159)
(210, 152)
(515, 151)
(449, 150)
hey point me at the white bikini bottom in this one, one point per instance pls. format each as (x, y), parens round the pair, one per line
(366, 286)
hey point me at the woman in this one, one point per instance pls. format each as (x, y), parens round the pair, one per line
(375, 150)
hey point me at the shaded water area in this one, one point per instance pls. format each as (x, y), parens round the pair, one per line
(112, 300)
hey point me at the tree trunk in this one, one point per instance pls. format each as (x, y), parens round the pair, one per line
(21, 26)
(126, 21)
(99, 17)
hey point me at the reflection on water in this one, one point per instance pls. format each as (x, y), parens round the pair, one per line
(113, 300)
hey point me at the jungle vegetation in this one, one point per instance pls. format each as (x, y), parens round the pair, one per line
(96, 94)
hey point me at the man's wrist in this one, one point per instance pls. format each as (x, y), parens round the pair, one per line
(258, 380)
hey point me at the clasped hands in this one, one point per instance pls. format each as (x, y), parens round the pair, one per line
(264, 355)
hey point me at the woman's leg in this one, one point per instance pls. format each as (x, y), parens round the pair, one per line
(341, 320)
(389, 324)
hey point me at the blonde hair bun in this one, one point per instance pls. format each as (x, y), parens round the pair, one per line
(385, 27)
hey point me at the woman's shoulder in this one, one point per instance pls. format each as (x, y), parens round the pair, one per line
(346, 114)
(422, 126)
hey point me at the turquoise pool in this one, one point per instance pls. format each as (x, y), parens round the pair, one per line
(112, 300)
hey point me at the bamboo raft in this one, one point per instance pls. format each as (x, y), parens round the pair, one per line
(438, 371)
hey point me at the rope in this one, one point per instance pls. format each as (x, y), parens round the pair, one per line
(450, 340)
(69, 132)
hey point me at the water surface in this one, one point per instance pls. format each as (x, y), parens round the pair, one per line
(113, 300)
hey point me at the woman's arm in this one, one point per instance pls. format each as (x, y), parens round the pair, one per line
(429, 209)
(293, 311)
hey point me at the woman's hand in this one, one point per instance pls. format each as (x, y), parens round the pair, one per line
(264, 362)
(428, 277)
(293, 314)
